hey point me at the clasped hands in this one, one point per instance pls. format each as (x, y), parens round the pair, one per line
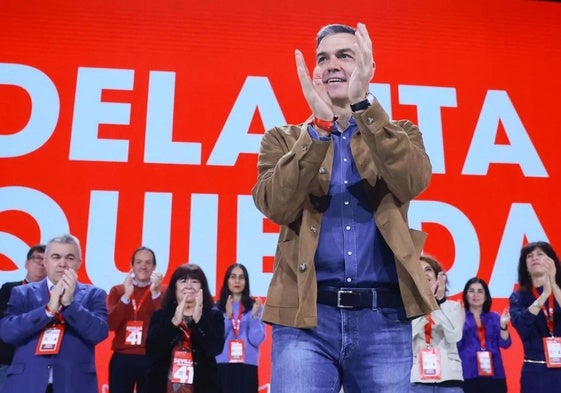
(63, 292)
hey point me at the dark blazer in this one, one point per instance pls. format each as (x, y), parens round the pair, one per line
(207, 341)
(6, 350)
(74, 366)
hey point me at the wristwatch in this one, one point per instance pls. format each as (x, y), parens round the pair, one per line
(361, 105)
(536, 304)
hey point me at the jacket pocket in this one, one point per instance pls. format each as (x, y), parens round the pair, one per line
(283, 289)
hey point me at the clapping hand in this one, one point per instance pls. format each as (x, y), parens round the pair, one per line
(179, 310)
(256, 307)
(68, 280)
(505, 318)
(156, 279)
(229, 308)
(439, 286)
(198, 311)
(128, 285)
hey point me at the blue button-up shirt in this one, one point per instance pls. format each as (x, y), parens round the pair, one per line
(351, 250)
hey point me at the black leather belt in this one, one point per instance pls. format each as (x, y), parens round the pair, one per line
(359, 297)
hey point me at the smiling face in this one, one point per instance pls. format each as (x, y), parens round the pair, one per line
(335, 62)
(143, 266)
(535, 262)
(187, 287)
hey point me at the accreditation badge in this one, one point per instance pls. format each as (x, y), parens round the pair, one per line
(50, 340)
(552, 349)
(182, 367)
(429, 361)
(237, 351)
(133, 333)
(485, 364)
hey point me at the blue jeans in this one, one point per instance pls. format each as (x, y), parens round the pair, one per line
(3, 374)
(362, 350)
(434, 388)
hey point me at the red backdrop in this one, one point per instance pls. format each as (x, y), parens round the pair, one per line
(131, 123)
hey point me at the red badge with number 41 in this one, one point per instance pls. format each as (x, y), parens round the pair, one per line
(182, 367)
(133, 333)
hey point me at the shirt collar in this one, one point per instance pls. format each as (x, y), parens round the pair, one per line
(140, 285)
(50, 284)
(350, 130)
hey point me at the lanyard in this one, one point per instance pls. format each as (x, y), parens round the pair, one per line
(428, 329)
(547, 311)
(186, 335)
(481, 333)
(136, 307)
(237, 322)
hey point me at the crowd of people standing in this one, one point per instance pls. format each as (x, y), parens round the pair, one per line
(352, 302)
(167, 338)
(177, 338)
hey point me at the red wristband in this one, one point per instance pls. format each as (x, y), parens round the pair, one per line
(325, 125)
(49, 311)
(55, 314)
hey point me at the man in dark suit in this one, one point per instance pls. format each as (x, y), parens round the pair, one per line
(35, 272)
(54, 325)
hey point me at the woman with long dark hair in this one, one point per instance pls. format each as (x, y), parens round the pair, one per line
(484, 332)
(536, 316)
(185, 336)
(244, 333)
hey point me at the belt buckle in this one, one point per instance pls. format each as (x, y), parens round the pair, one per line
(339, 292)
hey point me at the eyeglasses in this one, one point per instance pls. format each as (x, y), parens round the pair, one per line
(37, 258)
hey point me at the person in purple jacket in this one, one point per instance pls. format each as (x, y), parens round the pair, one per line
(536, 315)
(244, 333)
(485, 331)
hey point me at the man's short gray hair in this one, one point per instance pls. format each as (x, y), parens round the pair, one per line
(66, 239)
